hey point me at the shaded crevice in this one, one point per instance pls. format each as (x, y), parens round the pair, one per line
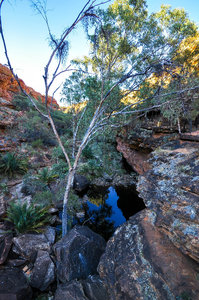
(126, 166)
(129, 201)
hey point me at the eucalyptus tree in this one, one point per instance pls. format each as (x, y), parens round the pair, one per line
(127, 47)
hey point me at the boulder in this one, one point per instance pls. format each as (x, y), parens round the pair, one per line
(78, 253)
(5, 245)
(72, 290)
(14, 285)
(27, 245)
(94, 288)
(171, 189)
(50, 234)
(140, 262)
(124, 181)
(81, 183)
(16, 262)
(43, 273)
(91, 288)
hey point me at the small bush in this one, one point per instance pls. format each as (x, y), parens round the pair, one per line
(74, 204)
(87, 152)
(47, 176)
(61, 169)
(34, 133)
(44, 198)
(4, 188)
(27, 218)
(37, 143)
(10, 164)
(32, 185)
(91, 169)
(21, 102)
(62, 122)
(57, 151)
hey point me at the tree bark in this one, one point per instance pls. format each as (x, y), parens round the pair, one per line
(70, 180)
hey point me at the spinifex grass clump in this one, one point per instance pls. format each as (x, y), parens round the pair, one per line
(10, 164)
(27, 218)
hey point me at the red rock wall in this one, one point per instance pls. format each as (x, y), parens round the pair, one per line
(9, 87)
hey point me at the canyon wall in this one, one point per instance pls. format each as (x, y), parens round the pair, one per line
(155, 255)
(9, 87)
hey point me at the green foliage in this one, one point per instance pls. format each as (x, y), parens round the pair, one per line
(73, 89)
(60, 168)
(32, 185)
(21, 102)
(35, 128)
(74, 204)
(176, 23)
(91, 169)
(37, 143)
(62, 122)
(44, 198)
(46, 176)
(11, 163)
(4, 188)
(87, 152)
(184, 296)
(57, 152)
(27, 218)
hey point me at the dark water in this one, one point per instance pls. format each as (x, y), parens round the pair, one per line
(117, 216)
(107, 209)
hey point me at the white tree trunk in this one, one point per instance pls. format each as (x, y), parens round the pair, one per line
(179, 127)
(70, 180)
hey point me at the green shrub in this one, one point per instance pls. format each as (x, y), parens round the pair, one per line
(91, 169)
(74, 203)
(47, 176)
(32, 185)
(37, 143)
(10, 163)
(61, 169)
(57, 152)
(87, 152)
(62, 122)
(42, 133)
(21, 102)
(4, 188)
(44, 198)
(27, 218)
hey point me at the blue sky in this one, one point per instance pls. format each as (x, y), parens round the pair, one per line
(26, 34)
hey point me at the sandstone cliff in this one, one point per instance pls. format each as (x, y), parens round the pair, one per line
(9, 87)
